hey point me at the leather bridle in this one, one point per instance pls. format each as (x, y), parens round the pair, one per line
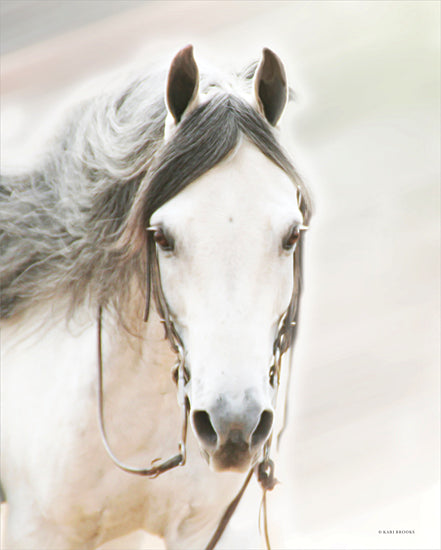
(284, 340)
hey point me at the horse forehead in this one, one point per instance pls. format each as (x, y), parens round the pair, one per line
(245, 186)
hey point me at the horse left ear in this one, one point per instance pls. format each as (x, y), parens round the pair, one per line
(182, 83)
(270, 86)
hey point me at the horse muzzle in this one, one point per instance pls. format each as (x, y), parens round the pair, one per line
(231, 439)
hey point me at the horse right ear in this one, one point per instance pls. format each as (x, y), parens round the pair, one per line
(182, 83)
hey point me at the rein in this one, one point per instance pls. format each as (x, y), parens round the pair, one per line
(284, 340)
(160, 467)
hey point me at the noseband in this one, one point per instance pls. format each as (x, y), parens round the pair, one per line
(284, 340)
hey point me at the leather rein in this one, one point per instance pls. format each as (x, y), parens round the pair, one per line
(264, 470)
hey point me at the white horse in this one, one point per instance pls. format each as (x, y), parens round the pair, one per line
(186, 197)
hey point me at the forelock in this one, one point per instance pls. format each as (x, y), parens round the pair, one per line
(202, 140)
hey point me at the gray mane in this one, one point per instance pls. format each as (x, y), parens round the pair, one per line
(64, 226)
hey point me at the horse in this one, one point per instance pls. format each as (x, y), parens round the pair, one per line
(166, 197)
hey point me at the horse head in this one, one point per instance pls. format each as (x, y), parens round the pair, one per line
(223, 219)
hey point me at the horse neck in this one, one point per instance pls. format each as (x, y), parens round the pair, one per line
(130, 346)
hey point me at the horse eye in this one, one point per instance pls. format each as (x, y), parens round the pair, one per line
(290, 240)
(165, 243)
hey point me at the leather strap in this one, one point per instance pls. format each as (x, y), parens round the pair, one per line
(228, 514)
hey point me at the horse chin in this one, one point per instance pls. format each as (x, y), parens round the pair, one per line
(226, 459)
(219, 466)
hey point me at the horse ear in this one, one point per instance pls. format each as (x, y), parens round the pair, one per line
(270, 86)
(182, 83)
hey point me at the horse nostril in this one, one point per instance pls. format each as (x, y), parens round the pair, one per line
(204, 428)
(262, 429)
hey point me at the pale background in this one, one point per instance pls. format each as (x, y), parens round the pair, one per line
(362, 449)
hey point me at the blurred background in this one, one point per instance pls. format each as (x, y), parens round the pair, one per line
(361, 453)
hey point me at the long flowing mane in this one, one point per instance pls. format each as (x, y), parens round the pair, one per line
(74, 225)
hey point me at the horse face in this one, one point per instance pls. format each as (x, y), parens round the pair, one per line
(225, 250)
